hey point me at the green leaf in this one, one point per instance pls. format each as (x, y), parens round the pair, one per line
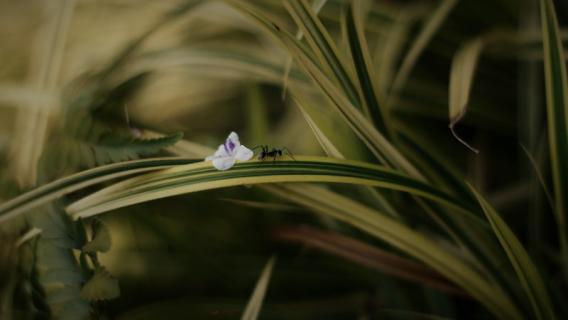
(327, 145)
(247, 61)
(317, 5)
(524, 267)
(58, 188)
(461, 79)
(403, 238)
(203, 176)
(366, 255)
(323, 46)
(430, 28)
(557, 112)
(101, 240)
(57, 270)
(365, 71)
(254, 304)
(101, 286)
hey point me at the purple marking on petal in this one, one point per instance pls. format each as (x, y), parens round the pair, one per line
(229, 146)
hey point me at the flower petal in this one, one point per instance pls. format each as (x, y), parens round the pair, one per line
(233, 136)
(223, 163)
(220, 153)
(231, 143)
(243, 153)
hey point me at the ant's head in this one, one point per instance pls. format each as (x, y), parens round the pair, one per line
(279, 152)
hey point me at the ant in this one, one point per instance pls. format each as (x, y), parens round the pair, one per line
(273, 153)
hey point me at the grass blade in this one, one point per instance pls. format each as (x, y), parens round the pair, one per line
(61, 187)
(326, 144)
(323, 46)
(403, 238)
(461, 79)
(203, 176)
(557, 112)
(539, 176)
(366, 255)
(426, 34)
(317, 5)
(524, 267)
(365, 70)
(255, 302)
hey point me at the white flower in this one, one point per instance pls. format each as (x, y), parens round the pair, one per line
(229, 152)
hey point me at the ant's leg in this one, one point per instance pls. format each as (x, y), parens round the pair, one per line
(253, 149)
(265, 152)
(289, 153)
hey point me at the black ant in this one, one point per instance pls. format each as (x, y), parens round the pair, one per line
(273, 153)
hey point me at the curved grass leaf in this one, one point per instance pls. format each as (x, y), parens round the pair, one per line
(323, 46)
(203, 176)
(63, 186)
(247, 62)
(255, 302)
(461, 79)
(556, 82)
(366, 255)
(405, 239)
(317, 5)
(390, 48)
(539, 176)
(326, 144)
(365, 71)
(524, 267)
(431, 26)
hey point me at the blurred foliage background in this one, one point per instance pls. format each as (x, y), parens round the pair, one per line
(89, 83)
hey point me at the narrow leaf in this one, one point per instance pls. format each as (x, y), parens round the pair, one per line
(63, 186)
(366, 255)
(326, 144)
(255, 302)
(524, 267)
(365, 71)
(405, 239)
(557, 112)
(430, 28)
(461, 79)
(322, 44)
(203, 176)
